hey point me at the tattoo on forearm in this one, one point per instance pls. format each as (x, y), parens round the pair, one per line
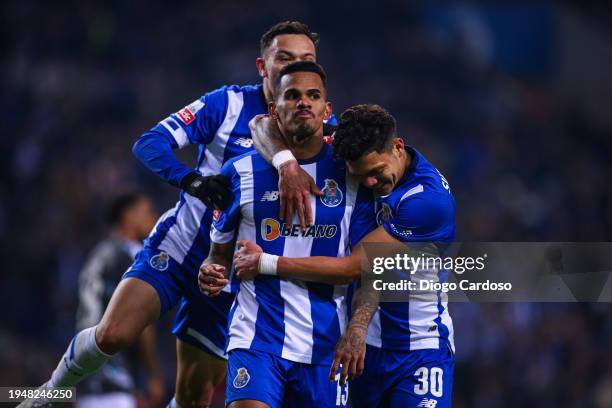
(365, 304)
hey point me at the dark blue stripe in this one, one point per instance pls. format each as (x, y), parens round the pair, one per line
(172, 124)
(201, 156)
(395, 325)
(326, 327)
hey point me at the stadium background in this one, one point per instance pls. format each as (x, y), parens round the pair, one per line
(511, 101)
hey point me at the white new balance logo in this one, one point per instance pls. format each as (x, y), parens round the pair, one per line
(244, 142)
(428, 403)
(270, 196)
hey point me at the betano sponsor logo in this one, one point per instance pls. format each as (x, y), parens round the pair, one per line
(271, 229)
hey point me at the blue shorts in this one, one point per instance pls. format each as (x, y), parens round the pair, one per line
(265, 377)
(406, 379)
(200, 321)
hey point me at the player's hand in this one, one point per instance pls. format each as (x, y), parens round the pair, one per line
(211, 279)
(263, 125)
(246, 259)
(350, 354)
(214, 191)
(294, 187)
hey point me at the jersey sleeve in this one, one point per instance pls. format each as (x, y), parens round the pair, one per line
(424, 217)
(225, 223)
(363, 219)
(197, 122)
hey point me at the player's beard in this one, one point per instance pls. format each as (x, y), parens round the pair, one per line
(303, 132)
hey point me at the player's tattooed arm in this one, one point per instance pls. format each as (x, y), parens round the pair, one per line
(351, 348)
(294, 185)
(213, 274)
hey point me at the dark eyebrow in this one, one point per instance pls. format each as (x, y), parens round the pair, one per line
(286, 91)
(289, 53)
(285, 52)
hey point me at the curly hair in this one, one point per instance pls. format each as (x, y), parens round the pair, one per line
(286, 27)
(363, 129)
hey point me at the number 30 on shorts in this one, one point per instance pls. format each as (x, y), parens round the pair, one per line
(430, 380)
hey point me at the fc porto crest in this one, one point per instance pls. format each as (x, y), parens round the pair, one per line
(384, 214)
(332, 195)
(160, 261)
(242, 378)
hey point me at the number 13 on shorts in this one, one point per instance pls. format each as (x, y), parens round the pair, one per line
(341, 392)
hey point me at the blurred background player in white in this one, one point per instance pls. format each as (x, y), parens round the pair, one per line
(165, 270)
(131, 218)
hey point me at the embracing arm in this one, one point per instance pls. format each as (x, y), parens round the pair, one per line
(294, 185)
(332, 270)
(267, 139)
(324, 269)
(195, 124)
(350, 350)
(154, 150)
(337, 271)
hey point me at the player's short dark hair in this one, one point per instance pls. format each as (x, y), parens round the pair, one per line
(363, 129)
(302, 66)
(286, 27)
(120, 204)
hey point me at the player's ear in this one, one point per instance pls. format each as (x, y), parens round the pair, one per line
(398, 144)
(328, 110)
(272, 110)
(260, 63)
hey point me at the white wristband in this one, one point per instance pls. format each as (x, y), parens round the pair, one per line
(267, 264)
(281, 158)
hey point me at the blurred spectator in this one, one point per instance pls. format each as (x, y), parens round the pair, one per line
(131, 218)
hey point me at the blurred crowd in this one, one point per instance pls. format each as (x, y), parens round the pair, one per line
(511, 102)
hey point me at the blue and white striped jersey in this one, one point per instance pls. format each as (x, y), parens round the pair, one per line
(296, 320)
(421, 209)
(218, 122)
